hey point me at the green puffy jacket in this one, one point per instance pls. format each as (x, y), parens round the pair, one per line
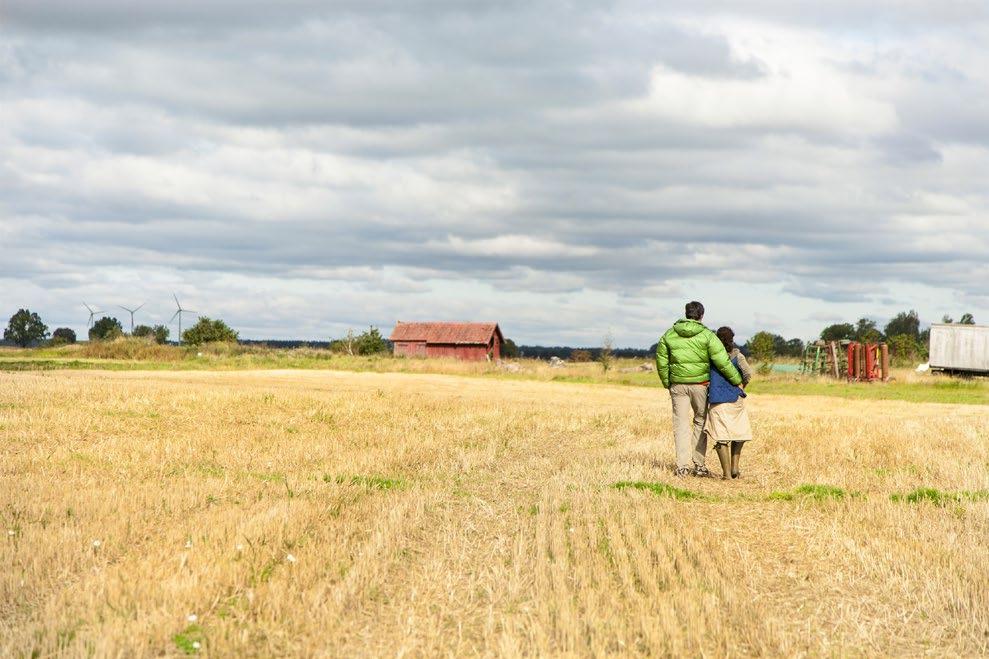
(687, 351)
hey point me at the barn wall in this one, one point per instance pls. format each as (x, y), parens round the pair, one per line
(476, 352)
(410, 349)
(453, 351)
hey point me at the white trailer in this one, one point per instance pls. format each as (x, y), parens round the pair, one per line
(960, 348)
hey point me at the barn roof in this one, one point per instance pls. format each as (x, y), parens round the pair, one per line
(439, 332)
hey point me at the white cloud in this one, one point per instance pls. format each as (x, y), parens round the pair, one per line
(800, 88)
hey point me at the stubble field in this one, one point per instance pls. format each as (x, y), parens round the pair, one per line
(315, 513)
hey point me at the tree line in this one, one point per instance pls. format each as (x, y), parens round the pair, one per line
(26, 328)
(903, 334)
(907, 341)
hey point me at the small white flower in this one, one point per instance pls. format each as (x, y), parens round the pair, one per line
(192, 617)
(290, 558)
(572, 529)
(196, 645)
(96, 544)
(11, 532)
(240, 547)
(188, 544)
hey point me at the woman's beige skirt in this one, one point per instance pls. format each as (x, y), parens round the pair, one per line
(729, 422)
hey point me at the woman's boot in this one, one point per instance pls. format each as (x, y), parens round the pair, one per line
(724, 455)
(736, 453)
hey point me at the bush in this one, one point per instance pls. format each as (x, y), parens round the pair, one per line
(25, 327)
(606, 356)
(580, 356)
(63, 336)
(345, 346)
(106, 329)
(207, 330)
(904, 350)
(370, 343)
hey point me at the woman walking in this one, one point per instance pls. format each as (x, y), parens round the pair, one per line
(727, 420)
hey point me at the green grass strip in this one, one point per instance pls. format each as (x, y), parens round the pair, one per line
(811, 491)
(661, 489)
(939, 497)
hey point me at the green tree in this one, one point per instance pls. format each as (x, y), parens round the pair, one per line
(509, 350)
(794, 348)
(370, 342)
(207, 330)
(106, 329)
(866, 331)
(838, 332)
(25, 327)
(904, 323)
(763, 350)
(63, 335)
(161, 333)
(946, 319)
(787, 348)
(967, 319)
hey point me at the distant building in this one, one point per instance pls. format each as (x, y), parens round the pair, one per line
(467, 341)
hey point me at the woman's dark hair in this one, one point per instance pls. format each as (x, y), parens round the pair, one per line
(727, 336)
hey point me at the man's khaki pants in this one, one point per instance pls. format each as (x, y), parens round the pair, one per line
(689, 415)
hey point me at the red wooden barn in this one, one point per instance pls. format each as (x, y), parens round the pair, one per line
(468, 341)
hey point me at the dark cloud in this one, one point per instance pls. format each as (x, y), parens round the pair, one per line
(126, 15)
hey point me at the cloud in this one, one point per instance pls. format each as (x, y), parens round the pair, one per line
(565, 168)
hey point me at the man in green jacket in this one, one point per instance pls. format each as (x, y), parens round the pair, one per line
(683, 360)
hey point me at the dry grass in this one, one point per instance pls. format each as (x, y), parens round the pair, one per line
(438, 515)
(129, 348)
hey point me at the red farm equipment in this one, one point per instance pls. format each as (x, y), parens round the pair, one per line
(867, 362)
(859, 362)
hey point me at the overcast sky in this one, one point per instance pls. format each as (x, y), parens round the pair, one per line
(564, 168)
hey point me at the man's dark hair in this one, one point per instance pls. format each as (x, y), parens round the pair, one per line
(695, 310)
(727, 336)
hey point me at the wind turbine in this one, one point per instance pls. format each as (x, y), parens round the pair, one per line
(179, 311)
(132, 312)
(92, 314)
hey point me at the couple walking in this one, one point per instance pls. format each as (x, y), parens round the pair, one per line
(706, 375)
